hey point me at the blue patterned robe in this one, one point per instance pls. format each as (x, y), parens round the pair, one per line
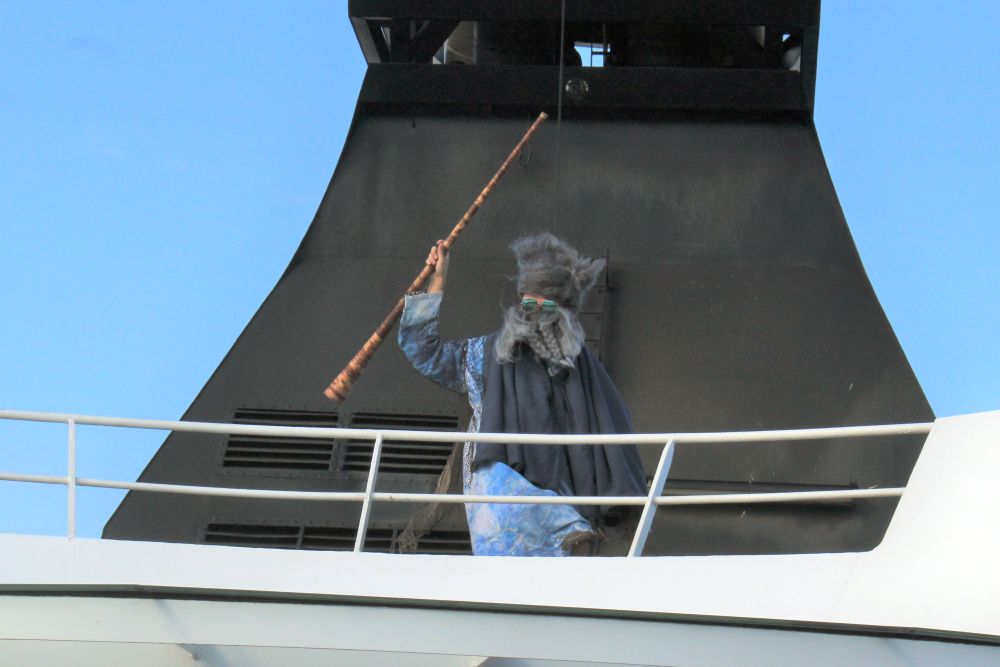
(495, 530)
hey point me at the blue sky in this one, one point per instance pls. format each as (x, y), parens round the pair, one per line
(161, 162)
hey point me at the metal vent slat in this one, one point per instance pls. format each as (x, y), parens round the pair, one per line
(251, 541)
(342, 539)
(285, 417)
(270, 450)
(276, 455)
(403, 422)
(445, 535)
(253, 535)
(404, 457)
(279, 443)
(253, 531)
(273, 456)
(445, 542)
(388, 453)
(424, 448)
(403, 444)
(415, 458)
(331, 538)
(277, 463)
(280, 452)
(389, 450)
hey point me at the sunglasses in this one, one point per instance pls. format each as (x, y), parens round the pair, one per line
(530, 305)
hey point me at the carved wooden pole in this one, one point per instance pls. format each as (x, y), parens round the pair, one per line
(341, 385)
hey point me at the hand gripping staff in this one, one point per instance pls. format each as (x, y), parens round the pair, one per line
(341, 385)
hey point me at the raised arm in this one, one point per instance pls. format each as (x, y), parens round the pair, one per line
(439, 360)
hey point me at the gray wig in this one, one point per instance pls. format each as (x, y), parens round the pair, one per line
(552, 268)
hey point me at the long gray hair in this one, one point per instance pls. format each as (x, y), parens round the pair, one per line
(555, 338)
(548, 266)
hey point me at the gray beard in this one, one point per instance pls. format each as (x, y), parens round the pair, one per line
(555, 338)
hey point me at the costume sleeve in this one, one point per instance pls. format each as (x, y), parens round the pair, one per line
(439, 360)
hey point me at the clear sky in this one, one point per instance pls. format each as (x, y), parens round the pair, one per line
(160, 162)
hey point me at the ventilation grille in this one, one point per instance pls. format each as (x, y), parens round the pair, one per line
(275, 537)
(401, 456)
(445, 542)
(280, 453)
(342, 539)
(329, 538)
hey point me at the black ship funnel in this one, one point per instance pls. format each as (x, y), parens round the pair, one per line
(735, 298)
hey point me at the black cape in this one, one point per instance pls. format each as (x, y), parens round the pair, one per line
(522, 397)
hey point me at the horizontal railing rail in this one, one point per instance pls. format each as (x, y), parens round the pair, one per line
(649, 503)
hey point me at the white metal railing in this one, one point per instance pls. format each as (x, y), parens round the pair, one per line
(649, 503)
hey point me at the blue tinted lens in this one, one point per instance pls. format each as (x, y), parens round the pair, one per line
(528, 305)
(549, 306)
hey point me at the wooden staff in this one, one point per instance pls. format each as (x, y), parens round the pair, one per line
(341, 385)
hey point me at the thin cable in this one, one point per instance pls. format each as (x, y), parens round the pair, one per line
(562, 58)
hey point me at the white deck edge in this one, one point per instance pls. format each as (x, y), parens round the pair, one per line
(934, 570)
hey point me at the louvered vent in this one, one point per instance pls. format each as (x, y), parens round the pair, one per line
(342, 539)
(330, 538)
(411, 458)
(445, 542)
(239, 535)
(281, 453)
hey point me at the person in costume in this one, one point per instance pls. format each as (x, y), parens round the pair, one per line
(534, 375)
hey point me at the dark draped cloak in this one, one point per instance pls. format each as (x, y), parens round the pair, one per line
(522, 397)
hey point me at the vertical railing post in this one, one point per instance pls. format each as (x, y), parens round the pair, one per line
(649, 509)
(366, 506)
(71, 480)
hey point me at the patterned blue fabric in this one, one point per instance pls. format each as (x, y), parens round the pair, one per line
(474, 383)
(495, 530)
(519, 530)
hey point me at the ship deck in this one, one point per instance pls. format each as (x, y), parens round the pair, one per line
(926, 595)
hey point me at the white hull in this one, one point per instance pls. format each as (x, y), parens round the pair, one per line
(928, 595)
(157, 630)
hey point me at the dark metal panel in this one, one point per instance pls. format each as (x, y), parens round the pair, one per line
(737, 302)
(735, 12)
(650, 88)
(736, 299)
(412, 44)
(371, 41)
(810, 57)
